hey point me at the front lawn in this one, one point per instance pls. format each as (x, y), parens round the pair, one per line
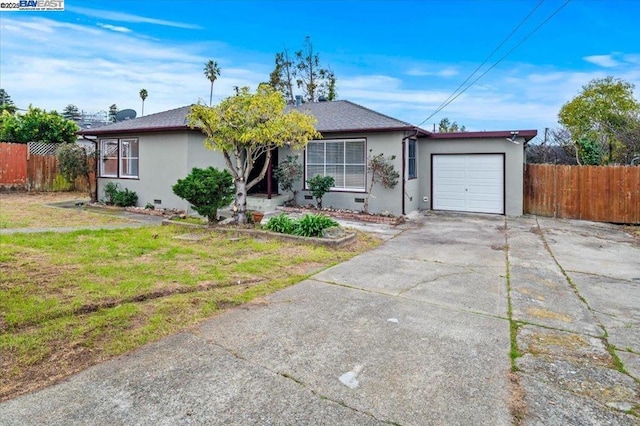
(30, 210)
(68, 301)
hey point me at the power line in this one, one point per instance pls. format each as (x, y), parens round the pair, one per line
(486, 59)
(446, 103)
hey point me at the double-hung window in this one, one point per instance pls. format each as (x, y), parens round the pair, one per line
(411, 159)
(344, 159)
(119, 158)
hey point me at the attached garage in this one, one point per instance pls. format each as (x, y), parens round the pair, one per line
(477, 172)
(468, 183)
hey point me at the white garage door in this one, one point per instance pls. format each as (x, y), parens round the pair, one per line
(469, 183)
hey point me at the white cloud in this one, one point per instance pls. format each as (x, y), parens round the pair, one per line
(95, 67)
(422, 72)
(51, 64)
(115, 28)
(606, 61)
(127, 17)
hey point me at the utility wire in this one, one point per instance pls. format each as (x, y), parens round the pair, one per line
(446, 103)
(486, 59)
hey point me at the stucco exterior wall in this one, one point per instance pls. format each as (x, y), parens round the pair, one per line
(514, 159)
(200, 156)
(389, 143)
(412, 186)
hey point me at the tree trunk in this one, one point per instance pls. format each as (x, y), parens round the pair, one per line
(241, 200)
(366, 200)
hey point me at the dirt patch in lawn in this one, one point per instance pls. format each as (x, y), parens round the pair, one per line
(31, 210)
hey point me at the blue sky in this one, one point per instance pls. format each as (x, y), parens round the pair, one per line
(402, 58)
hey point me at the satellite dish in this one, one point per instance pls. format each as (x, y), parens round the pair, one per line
(125, 114)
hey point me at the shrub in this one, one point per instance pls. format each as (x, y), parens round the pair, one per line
(289, 171)
(61, 184)
(382, 171)
(110, 190)
(119, 198)
(206, 190)
(320, 185)
(311, 225)
(281, 223)
(125, 198)
(73, 161)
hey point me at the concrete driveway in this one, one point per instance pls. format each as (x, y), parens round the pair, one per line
(418, 331)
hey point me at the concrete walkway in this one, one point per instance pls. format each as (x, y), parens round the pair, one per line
(414, 332)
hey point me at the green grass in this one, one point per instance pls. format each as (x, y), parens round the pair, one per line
(29, 210)
(192, 220)
(69, 300)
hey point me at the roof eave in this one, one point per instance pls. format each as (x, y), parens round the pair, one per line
(89, 132)
(377, 130)
(526, 134)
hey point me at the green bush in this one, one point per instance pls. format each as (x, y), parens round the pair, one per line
(311, 225)
(320, 185)
(62, 184)
(110, 191)
(281, 223)
(206, 190)
(125, 198)
(119, 198)
(289, 171)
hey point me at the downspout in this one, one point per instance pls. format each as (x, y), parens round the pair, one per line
(404, 180)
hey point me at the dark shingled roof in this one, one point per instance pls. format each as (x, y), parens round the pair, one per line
(174, 119)
(345, 116)
(335, 116)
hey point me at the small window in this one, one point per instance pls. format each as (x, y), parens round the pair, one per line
(411, 157)
(119, 158)
(109, 157)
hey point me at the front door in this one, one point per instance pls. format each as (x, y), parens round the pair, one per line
(262, 186)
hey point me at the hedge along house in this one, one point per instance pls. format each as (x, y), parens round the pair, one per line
(469, 171)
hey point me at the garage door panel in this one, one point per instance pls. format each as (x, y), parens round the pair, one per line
(453, 204)
(450, 160)
(452, 188)
(451, 174)
(470, 182)
(495, 175)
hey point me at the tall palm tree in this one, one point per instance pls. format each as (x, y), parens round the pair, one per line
(212, 72)
(143, 96)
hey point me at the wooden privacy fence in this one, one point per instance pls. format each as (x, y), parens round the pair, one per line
(602, 194)
(13, 165)
(19, 169)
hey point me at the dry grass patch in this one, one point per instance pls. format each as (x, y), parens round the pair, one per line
(30, 210)
(70, 300)
(547, 314)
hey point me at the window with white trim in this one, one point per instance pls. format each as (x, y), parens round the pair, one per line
(411, 159)
(344, 159)
(119, 158)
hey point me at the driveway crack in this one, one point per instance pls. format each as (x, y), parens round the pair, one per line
(617, 363)
(298, 381)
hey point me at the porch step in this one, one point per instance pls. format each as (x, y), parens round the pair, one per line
(261, 203)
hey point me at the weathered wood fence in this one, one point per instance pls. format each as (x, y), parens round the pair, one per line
(22, 170)
(602, 194)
